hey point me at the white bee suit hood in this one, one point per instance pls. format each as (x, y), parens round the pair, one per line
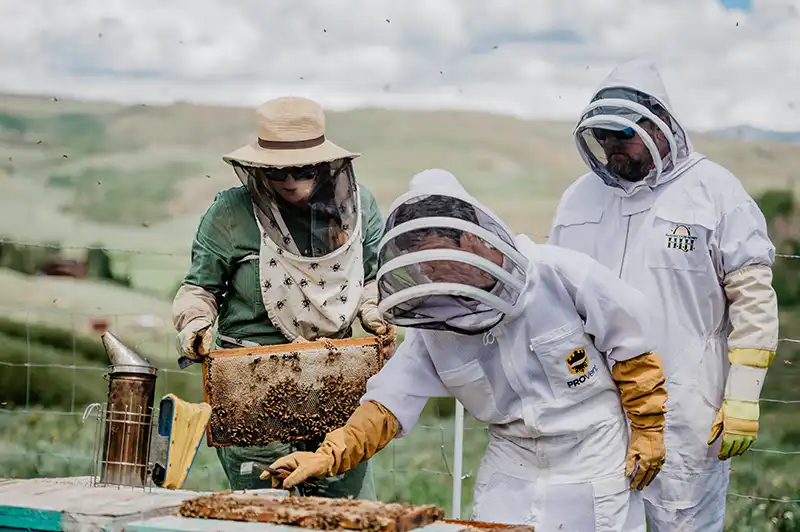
(434, 272)
(633, 92)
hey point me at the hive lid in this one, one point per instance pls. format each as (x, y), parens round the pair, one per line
(123, 359)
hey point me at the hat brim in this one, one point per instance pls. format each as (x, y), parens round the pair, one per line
(254, 155)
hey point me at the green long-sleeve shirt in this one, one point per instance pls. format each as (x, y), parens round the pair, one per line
(228, 233)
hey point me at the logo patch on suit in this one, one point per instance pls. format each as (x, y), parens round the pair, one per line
(577, 362)
(681, 239)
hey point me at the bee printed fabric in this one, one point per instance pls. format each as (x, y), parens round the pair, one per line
(312, 297)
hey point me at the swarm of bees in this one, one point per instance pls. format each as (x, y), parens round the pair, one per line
(261, 399)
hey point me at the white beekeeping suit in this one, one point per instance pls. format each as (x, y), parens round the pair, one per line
(543, 344)
(681, 229)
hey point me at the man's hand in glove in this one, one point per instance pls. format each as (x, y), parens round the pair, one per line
(641, 386)
(646, 455)
(737, 422)
(194, 340)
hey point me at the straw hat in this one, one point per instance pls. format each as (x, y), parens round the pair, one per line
(291, 132)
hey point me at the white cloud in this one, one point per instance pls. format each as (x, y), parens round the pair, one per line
(533, 59)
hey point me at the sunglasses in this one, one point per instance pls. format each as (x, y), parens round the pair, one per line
(605, 134)
(302, 173)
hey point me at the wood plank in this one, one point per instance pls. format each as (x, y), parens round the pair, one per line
(72, 504)
(186, 524)
(27, 519)
(283, 348)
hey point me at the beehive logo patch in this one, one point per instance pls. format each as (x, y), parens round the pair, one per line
(681, 238)
(577, 362)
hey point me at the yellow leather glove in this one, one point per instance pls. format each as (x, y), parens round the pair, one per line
(369, 429)
(737, 422)
(737, 419)
(641, 385)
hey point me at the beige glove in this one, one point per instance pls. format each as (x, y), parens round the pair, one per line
(194, 340)
(641, 385)
(751, 351)
(373, 323)
(194, 311)
(369, 429)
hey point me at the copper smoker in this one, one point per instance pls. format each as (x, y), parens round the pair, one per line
(128, 416)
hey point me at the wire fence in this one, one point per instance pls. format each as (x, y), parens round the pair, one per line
(60, 373)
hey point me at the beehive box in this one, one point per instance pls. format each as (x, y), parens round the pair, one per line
(289, 392)
(316, 513)
(479, 526)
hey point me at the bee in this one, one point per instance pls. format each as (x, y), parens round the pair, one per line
(343, 287)
(295, 323)
(288, 281)
(286, 240)
(321, 283)
(273, 224)
(267, 284)
(306, 303)
(360, 283)
(273, 263)
(314, 329)
(280, 304)
(343, 299)
(280, 251)
(325, 303)
(342, 318)
(303, 283)
(314, 265)
(345, 227)
(336, 267)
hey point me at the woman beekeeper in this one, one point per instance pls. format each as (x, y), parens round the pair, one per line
(288, 257)
(523, 336)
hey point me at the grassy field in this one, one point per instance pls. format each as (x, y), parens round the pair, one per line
(135, 179)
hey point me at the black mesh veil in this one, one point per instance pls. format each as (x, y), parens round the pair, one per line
(332, 212)
(620, 113)
(446, 263)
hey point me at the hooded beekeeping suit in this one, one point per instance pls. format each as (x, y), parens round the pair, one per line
(681, 229)
(523, 336)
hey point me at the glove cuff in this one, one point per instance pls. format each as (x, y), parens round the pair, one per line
(745, 383)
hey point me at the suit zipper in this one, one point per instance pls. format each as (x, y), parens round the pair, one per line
(625, 247)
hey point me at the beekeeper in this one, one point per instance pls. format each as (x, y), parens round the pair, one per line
(290, 256)
(681, 229)
(523, 335)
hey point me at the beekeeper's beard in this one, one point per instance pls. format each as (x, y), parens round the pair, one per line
(625, 162)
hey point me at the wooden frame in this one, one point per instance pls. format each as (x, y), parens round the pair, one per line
(278, 348)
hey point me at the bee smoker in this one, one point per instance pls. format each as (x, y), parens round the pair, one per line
(128, 416)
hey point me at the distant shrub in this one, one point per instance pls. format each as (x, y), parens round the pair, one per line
(776, 203)
(15, 123)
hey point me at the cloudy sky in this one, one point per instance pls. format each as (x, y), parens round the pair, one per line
(725, 62)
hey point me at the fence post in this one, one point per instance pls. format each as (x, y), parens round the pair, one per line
(458, 460)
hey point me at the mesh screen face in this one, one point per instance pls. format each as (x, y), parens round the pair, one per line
(284, 393)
